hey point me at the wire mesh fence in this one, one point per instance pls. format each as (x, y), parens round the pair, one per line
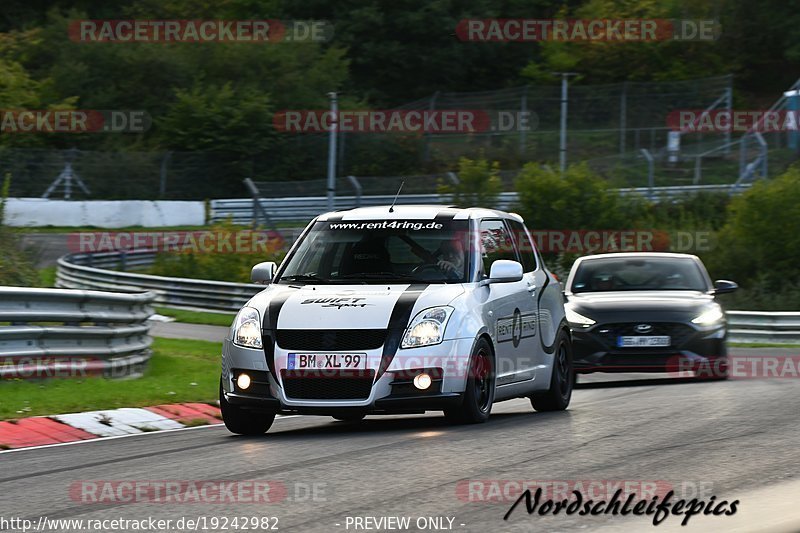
(608, 127)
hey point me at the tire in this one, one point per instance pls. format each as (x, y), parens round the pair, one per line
(242, 421)
(478, 396)
(350, 418)
(562, 380)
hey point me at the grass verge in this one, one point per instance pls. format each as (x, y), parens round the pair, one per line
(761, 345)
(179, 371)
(197, 317)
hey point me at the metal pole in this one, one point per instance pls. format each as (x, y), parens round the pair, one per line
(332, 151)
(523, 110)
(623, 119)
(650, 172)
(562, 149)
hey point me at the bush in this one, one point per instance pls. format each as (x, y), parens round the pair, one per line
(16, 266)
(758, 245)
(479, 183)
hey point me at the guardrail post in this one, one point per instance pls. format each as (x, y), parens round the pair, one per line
(357, 186)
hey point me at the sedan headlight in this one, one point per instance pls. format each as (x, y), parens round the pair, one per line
(577, 319)
(709, 317)
(427, 328)
(247, 328)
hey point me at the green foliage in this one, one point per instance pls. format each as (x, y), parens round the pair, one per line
(759, 241)
(212, 265)
(577, 200)
(16, 265)
(479, 184)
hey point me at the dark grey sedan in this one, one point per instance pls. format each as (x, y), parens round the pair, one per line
(646, 312)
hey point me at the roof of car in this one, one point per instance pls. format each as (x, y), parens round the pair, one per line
(636, 255)
(418, 212)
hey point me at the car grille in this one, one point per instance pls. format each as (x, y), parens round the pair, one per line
(678, 333)
(327, 384)
(330, 339)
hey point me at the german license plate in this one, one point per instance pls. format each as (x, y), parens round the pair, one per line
(298, 361)
(642, 341)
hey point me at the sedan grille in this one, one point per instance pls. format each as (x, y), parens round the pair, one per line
(327, 384)
(678, 333)
(330, 339)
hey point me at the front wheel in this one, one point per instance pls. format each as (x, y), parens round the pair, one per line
(479, 394)
(242, 421)
(557, 397)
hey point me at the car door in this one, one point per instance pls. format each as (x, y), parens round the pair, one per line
(536, 319)
(508, 306)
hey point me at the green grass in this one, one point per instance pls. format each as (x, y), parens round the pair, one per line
(47, 277)
(197, 317)
(761, 345)
(179, 371)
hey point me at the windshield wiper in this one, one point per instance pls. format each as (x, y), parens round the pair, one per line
(303, 277)
(375, 275)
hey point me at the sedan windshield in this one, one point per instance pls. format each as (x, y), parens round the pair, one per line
(638, 274)
(377, 251)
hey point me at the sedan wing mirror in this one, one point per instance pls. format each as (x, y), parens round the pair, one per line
(722, 286)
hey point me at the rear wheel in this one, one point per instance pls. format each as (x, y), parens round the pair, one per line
(242, 421)
(479, 394)
(557, 397)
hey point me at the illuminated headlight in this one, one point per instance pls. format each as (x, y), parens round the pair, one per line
(709, 317)
(427, 327)
(577, 319)
(247, 328)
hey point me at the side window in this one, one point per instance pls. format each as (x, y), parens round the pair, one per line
(526, 250)
(496, 243)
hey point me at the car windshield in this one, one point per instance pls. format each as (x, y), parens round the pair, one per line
(377, 251)
(638, 274)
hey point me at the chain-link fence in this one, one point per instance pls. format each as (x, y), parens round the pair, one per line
(609, 126)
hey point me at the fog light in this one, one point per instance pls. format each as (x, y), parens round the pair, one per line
(422, 381)
(243, 381)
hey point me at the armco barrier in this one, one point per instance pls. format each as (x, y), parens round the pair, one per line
(74, 272)
(764, 326)
(73, 333)
(304, 208)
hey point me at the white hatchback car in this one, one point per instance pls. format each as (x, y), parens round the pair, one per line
(383, 310)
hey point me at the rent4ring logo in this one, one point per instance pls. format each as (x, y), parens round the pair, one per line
(200, 31)
(586, 30)
(73, 121)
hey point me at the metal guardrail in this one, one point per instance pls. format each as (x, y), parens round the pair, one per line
(92, 271)
(73, 333)
(764, 326)
(304, 208)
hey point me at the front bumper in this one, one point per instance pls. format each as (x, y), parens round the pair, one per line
(594, 351)
(390, 392)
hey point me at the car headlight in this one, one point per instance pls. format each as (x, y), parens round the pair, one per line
(247, 328)
(427, 327)
(577, 319)
(709, 317)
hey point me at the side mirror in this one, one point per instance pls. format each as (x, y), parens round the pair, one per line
(722, 286)
(263, 272)
(505, 271)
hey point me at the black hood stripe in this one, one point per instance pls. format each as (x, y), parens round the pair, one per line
(270, 325)
(398, 321)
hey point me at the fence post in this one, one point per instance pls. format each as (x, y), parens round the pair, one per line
(357, 186)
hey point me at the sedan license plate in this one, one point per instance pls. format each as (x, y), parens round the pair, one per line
(323, 361)
(640, 341)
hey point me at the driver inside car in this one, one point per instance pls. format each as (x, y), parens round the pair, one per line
(452, 258)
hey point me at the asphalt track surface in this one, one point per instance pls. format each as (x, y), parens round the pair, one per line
(738, 439)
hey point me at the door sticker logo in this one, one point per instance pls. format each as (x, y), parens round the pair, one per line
(515, 328)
